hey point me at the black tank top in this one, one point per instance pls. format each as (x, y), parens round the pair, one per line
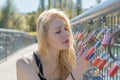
(39, 65)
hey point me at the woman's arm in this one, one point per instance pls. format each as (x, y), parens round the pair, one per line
(25, 70)
(81, 67)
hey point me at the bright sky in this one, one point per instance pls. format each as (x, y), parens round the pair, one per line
(25, 6)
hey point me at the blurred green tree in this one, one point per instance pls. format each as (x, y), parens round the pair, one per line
(7, 10)
(19, 22)
(61, 2)
(49, 4)
(70, 8)
(79, 6)
(0, 14)
(11, 19)
(41, 5)
(31, 21)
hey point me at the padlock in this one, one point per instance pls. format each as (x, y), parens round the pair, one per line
(114, 69)
(101, 33)
(103, 62)
(91, 37)
(80, 36)
(98, 59)
(92, 50)
(91, 56)
(107, 37)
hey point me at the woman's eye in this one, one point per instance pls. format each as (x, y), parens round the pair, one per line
(66, 29)
(58, 31)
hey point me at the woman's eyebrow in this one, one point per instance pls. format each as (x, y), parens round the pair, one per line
(60, 26)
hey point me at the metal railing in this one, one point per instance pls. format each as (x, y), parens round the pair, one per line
(102, 9)
(13, 40)
(104, 14)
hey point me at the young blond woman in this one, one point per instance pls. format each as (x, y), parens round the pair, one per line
(55, 58)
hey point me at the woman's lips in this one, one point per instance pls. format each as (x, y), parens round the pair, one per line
(66, 41)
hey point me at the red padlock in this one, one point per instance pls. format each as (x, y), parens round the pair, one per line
(80, 36)
(98, 59)
(92, 50)
(103, 62)
(113, 70)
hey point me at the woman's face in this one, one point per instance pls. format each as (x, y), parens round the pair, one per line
(58, 36)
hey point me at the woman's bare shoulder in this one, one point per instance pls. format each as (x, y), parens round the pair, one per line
(26, 68)
(25, 59)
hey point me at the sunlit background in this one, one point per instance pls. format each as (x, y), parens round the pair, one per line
(92, 22)
(21, 14)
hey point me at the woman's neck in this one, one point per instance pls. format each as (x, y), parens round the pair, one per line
(50, 64)
(53, 54)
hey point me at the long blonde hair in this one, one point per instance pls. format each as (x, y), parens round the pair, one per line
(67, 58)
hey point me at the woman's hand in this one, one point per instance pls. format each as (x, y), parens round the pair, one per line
(81, 67)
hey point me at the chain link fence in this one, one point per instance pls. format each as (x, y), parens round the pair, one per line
(103, 19)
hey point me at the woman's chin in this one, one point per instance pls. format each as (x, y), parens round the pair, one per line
(66, 47)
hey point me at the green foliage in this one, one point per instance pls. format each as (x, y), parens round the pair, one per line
(41, 5)
(10, 19)
(79, 6)
(0, 14)
(19, 22)
(6, 12)
(31, 20)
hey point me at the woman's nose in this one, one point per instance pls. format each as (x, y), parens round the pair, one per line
(65, 33)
